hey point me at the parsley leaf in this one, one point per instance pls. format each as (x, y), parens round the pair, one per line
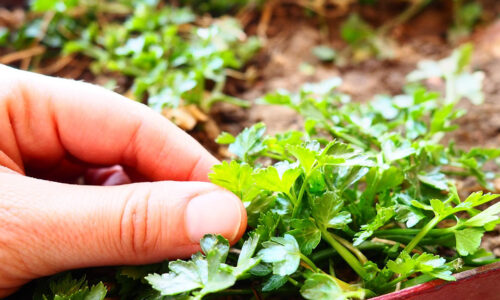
(283, 253)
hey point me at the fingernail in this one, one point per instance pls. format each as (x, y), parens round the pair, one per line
(216, 212)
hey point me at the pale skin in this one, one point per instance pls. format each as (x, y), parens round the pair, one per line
(53, 130)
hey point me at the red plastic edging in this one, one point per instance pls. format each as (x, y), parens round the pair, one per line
(481, 283)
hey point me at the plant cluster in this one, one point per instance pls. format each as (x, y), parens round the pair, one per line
(362, 202)
(171, 61)
(365, 41)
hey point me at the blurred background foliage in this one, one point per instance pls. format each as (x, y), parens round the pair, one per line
(177, 56)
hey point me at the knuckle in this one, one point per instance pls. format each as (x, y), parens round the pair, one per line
(138, 236)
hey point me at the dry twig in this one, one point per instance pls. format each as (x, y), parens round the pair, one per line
(22, 54)
(57, 66)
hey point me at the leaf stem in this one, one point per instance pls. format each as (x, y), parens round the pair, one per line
(347, 137)
(310, 263)
(293, 281)
(367, 245)
(235, 292)
(362, 258)
(408, 231)
(396, 280)
(414, 242)
(406, 15)
(296, 208)
(346, 255)
(276, 156)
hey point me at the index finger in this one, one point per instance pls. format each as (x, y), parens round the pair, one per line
(44, 120)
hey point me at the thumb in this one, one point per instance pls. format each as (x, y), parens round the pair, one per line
(48, 227)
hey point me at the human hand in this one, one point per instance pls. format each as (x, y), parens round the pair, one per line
(56, 129)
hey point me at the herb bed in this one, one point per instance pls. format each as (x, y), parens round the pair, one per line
(364, 188)
(361, 202)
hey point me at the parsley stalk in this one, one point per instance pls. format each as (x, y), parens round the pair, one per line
(362, 258)
(414, 242)
(346, 254)
(298, 204)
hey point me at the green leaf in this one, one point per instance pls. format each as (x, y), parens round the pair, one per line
(355, 30)
(403, 265)
(425, 263)
(225, 138)
(343, 177)
(235, 177)
(278, 179)
(326, 210)
(461, 57)
(306, 155)
(393, 153)
(52, 5)
(388, 179)
(434, 179)
(4, 36)
(249, 142)
(205, 274)
(324, 53)
(96, 292)
(384, 214)
(246, 261)
(441, 118)
(470, 86)
(183, 277)
(283, 253)
(261, 203)
(468, 240)
(475, 199)
(337, 153)
(307, 235)
(340, 150)
(321, 287)
(489, 215)
(440, 208)
(268, 222)
(274, 282)
(67, 288)
(408, 215)
(321, 88)
(279, 97)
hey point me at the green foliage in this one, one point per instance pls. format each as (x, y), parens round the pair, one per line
(170, 60)
(360, 171)
(205, 274)
(424, 263)
(363, 41)
(219, 7)
(323, 202)
(323, 287)
(466, 15)
(283, 253)
(66, 288)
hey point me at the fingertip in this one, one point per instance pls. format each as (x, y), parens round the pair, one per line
(215, 212)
